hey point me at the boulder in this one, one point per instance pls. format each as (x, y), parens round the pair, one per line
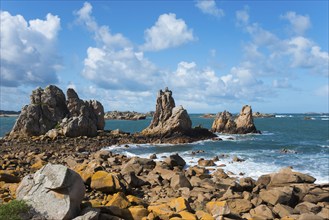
(179, 181)
(54, 190)
(206, 163)
(287, 176)
(179, 204)
(283, 195)
(283, 210)
(307, 207)
(106, 182)
(238, 206)
(243, 124)
(218, 208)
(261, 212)
(175, 160)
(168, 119)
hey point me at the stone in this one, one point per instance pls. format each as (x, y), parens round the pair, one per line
(287, 176)
(282, 195)
(88, 214)
(206, 163)
(179, 204)
(310, 216)
(247, 183)
(138, 212)
(324, 213)
(307, 207)
(106, 182)
(175, 160)
(54, 190)
(283, 210)
(120, 200)
(187, 215)
(243, 124)
(160, 210)
(8, 177)
(179, 181)
(168, 119)
(218, 208)
(261, 212)
(203, 215)
(238, 206)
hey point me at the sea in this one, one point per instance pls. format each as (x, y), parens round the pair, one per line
(303, 137)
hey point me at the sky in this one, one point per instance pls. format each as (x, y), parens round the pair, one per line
(213, 55)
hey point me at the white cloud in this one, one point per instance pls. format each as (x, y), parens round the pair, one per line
(281, 83)
(276, 55)
(299, 23)
(323, 91)
(167, 32)
(114, 63)
(209, 7)
(28, 50)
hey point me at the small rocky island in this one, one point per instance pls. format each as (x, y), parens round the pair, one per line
(128, 115)
(242, 124)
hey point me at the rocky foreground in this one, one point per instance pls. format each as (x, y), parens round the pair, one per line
(113, 186)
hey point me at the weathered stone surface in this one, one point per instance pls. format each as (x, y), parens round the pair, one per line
(287, 176)
(206, 163)
(283, 210)
(218, 208)
(51, 114)
(282, 195)
(238, 206)
(120, 200)
(179, 181)
(106, 182)
(243, 124)
(261, 212)
(116, 115)
(175, 160)
(54, 190)
(88, 214)
(46, 109)
(168, 119)
(307, 207)
(138, 212)
(8, 177)
(179, 204)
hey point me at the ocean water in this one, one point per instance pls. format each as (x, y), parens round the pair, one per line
(307, 141)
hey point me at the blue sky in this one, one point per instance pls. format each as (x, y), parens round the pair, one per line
(213, 55)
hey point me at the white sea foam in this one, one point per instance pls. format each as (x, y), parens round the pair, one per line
(324, 119)
(324, 146)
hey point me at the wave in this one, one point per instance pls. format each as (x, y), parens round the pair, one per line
(324, 146)
(284, 116)
(324, 119)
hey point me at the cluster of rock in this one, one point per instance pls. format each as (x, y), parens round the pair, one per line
(118, 187)
(170, 120)
(50, 113)
(117, 115)
(243, 124)
(262, 115)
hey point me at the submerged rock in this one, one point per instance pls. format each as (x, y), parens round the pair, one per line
(243, 124)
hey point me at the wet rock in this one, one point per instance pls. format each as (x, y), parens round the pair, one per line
(175, 160)
(206, 163)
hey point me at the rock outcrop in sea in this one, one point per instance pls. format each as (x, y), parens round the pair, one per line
(168, 119)
(50, 113)
(243, 124)
(128, 115)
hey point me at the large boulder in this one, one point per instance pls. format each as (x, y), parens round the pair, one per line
(85, 117)
(243, 124)
(168, 119)
(54, 191)
(50, 114)
(47, 108)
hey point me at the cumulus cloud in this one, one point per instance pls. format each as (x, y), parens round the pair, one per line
(167, 32)
(299, 23)
(28, 53)
(114, 64)
(276, 54)
(210, 7)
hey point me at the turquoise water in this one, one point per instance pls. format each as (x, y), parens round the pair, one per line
(309, 138)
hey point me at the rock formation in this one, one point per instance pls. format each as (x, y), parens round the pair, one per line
(49, 111)
(47, 108)
(243, 124)
(168, 119)
(116, 115)
(54, 191)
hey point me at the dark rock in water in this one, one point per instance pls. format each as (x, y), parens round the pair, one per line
(262, 115)
(49, 111)
(168, 118)
(243, 124)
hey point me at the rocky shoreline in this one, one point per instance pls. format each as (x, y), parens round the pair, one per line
(165, 189)
(128, 115)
